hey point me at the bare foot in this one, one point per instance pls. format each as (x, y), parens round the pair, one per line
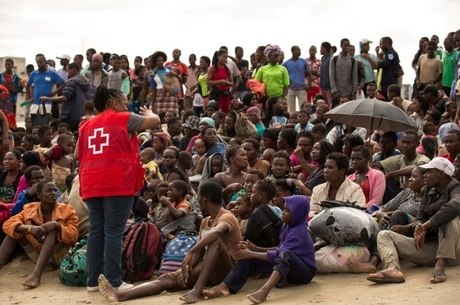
(259, 296)
(32, 281)
(106, 289)
(361, 268)
(218, 291)
(192, 296)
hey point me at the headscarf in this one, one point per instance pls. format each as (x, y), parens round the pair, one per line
(445, 128)
(254, 110)
(164, 137)
(270, 49)
(208, 121)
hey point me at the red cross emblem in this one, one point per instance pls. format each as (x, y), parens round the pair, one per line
(98, 141)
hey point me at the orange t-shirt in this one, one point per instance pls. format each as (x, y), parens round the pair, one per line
(183, 205)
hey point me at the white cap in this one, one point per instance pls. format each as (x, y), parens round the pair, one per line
(65, 56)
(441, 164)
(365, 41)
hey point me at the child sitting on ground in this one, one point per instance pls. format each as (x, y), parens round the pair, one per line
(152, 170)
(61, 159)
(303, 124)
(176, 202)
(287, 187)
(242, 211)
(428, 142)
(89, 112)
(236, 190)
(294, 118)
(200, 150)
(214, 164)
(150, 195)
(185, 162)
(159, 211)
(61, 128)
(264, 224)
(68, 183)
(293, 261)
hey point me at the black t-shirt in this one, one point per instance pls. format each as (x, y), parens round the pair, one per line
(242, 63)
(263, 227)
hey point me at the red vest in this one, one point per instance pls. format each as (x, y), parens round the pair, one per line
(109, 157)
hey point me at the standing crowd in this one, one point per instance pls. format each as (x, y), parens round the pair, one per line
(243, 152)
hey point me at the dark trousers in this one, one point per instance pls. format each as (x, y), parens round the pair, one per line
(292, 269)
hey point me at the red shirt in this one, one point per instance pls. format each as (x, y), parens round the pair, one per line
(8, 78)
(448, 157)
(183, 70)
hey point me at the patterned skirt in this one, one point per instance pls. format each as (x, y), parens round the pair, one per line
(164, 102)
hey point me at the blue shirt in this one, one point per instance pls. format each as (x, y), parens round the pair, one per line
(307, 128)
(278, 120)
(157, 79)
(325, 81)
(43, 83)
(297, 69)
(217, 148)
(390, 69)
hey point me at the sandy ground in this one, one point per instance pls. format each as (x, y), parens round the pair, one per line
(325, 289)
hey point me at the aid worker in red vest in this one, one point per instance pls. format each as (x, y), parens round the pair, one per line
(110, 175)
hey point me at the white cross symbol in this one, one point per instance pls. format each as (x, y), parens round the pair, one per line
(98, 142)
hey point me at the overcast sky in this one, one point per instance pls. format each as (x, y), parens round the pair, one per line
(140, 27)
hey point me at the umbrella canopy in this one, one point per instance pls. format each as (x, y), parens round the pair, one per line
(371, 114)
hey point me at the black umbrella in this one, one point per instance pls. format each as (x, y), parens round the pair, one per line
(371, 114)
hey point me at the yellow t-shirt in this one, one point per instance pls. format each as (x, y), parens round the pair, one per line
(152, 167)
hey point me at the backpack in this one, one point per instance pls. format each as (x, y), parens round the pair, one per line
(176, 250)
(72, 270)
(143, 245)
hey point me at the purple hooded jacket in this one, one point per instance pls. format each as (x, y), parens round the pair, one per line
(295, 236)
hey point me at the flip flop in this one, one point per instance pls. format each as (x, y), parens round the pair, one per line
(438, 277)
(386, 279)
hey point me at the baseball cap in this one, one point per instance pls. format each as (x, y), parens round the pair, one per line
(365, 41)
(65, 56)
(441, 164)
(193, 122)
(209, 122)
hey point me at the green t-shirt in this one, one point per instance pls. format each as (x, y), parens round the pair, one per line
(275, 78)
(449, 62)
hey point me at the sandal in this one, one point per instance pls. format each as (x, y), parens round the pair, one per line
(386, 279)
(438, 277)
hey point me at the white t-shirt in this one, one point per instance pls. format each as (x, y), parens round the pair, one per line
(197, 100)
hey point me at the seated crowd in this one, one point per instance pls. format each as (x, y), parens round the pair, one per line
(234, 159)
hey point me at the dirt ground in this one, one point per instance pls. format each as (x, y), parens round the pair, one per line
(325, 289)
